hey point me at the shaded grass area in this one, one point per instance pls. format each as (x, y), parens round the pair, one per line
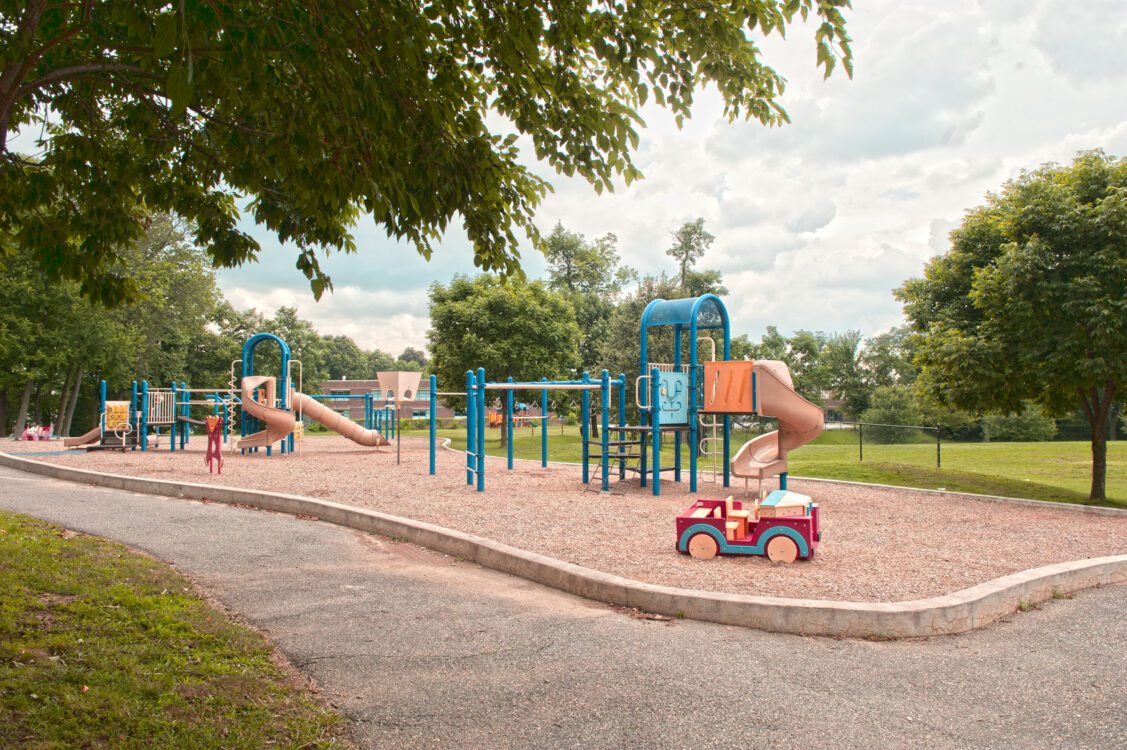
(102, 647)
(1057, 471)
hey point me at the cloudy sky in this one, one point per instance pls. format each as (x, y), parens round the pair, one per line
(815, 222)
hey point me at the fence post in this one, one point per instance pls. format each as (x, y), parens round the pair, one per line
(938, 454)
(860, 442)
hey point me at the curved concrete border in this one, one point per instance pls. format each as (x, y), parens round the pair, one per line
(952, 613)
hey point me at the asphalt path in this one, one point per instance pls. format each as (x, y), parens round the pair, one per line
(422, 650)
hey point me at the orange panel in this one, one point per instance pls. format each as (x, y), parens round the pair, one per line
(727, 387)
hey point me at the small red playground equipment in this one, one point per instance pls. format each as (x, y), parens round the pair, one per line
(783, 527)
(214, 443)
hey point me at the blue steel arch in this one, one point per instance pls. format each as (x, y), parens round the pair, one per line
(248, 370)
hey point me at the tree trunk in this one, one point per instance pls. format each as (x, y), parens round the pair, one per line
(1097, 410)
(76, 389)
(35, 411)
(21, 416)
(3, 413)
(64, 395)
(594, 431)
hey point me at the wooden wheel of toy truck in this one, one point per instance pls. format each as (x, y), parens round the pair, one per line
(782, 549)
(703, 547)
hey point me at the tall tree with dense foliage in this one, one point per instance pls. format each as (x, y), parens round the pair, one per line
(689, 243)
(1030, 303)
(319, 111)
(510, 327)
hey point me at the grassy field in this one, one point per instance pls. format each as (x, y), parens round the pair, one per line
(1059, 471)
(101, 647)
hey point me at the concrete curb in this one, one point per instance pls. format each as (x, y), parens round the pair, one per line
(952, 613)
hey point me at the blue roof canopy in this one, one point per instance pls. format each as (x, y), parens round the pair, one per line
(708, 310)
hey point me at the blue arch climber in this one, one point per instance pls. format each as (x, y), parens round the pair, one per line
(283, 382)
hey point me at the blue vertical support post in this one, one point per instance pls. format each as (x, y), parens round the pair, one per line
(433, 404)
(226, 420)
(509, 421)
(175, 422)
(694, 434)
(604, 434)
(481, 429)
(134, 415)
(143, 433)
(655, 428)
(677, 435)
(584, 425)
(471, 428)
(728, 418)
(186, 408)
(544, 425)
(102, 410)
(621, 422)
(643, 397)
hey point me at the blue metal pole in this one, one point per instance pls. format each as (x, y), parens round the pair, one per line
(433, 404)
(694, 434)
(185, 397)
(677, 435)
(509, 421)
(655, 430)
(471, 428)
(544, 425)
(134, 417)
(584, 429)
(175, 421)
(621, 422)
(144, 428)
(481, 429)
(604, 434)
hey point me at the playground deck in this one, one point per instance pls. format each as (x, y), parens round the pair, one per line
(877, 544)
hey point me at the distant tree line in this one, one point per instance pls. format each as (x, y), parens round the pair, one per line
(56, 345)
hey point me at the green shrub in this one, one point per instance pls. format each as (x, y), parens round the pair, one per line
(1029, 426)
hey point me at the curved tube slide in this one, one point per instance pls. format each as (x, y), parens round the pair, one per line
(799, 422)
(279, 422)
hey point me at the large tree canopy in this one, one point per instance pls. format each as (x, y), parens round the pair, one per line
(318, 111)
(1031, 300)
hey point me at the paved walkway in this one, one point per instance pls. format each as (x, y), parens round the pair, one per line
(424, 651)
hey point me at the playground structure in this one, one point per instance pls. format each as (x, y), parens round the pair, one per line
(273, 407)
(782, 525)
(685, 397)
(127, 424)
(272, 410)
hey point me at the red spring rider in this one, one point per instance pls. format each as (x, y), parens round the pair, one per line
(214, 424)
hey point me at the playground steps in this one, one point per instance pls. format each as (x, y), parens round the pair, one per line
(624, 465)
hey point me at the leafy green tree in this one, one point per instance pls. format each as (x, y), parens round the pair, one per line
(841, 373)
(1030, 303)
(891, 405)
(689, 243)
(320, 111)
(887, 358)
(589, 274)
(342, 357)
(510, 327)
(414, 357)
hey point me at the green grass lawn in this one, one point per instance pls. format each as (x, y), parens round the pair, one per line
(102, 647)
(1059, 471)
